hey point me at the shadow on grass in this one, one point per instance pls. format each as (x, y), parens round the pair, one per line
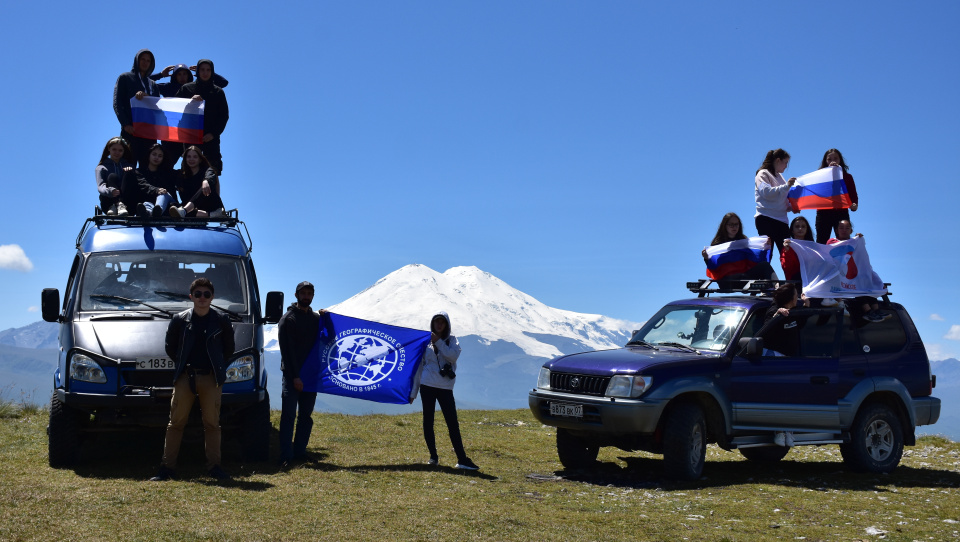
(411, 467)
(647, 473)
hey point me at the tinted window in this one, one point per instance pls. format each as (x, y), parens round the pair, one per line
(884, 337)
(805, 333)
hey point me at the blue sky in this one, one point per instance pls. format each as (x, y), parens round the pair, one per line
(583, 152)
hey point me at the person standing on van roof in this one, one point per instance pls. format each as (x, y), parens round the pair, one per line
(215, 111)
(200, 341)
(297, 333)
(135, 83)
(180, 75)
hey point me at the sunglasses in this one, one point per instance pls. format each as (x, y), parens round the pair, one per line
(206, 294)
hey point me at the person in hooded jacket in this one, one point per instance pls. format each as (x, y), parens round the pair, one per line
(180, 75)
(156, 185)
(112, 184)
(135, 83)
(437, 377)
(215, 111)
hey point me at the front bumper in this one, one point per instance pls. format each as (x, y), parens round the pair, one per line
(609, 415)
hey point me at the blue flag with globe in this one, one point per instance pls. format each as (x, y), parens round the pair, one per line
(365, 360)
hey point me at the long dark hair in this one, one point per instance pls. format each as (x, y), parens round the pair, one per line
(809, 236)
(721, 236)
(127, 153)
(784, 294)
(823, 162)
(769, 159)
(202, 166)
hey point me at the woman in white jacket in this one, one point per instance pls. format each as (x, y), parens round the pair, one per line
(770, 192)
(436, 385)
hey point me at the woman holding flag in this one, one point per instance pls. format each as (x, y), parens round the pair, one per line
(770, 193)
(828, 219)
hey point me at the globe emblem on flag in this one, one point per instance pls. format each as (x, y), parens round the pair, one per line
(361, 360)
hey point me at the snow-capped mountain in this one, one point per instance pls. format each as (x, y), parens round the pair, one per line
(481, 305)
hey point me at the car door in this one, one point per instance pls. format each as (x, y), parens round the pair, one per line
(795, 382)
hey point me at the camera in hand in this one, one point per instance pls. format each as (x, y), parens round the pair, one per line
(447, 371)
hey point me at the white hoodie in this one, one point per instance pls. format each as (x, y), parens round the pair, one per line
(437, 355)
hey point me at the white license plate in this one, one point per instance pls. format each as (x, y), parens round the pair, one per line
(155, 363)
(566, 410)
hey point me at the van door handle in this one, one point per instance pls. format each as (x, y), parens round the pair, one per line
(819, 379)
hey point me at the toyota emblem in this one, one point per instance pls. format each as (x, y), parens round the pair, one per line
(575, 382)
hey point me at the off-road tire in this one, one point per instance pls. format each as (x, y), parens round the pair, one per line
(575, 452)
(256, 431)
(63, 434)
(876, 440)
(765, 454)
(684, 442)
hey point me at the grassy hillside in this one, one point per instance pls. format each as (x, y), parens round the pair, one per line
(369, 482)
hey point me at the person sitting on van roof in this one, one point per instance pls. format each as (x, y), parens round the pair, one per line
(156, 185)
(199, 187)
(115, 191)
(135, 83)
(215, 111)
(180, 75)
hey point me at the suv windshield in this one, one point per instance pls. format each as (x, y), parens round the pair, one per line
(160, 279)
(703, 328)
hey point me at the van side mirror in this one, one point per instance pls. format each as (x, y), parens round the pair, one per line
(50, 304)
(751, 347)
(274, 309)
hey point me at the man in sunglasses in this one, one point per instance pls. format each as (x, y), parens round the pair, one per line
(200, 342)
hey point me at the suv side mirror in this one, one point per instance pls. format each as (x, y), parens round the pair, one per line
(274, 309)
(751, 347)
(50, 304)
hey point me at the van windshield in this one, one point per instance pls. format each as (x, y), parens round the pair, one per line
(161, 279)
(703, 328)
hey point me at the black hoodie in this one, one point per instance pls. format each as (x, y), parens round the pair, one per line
(169, 90)
(215, 111)
(128, 84)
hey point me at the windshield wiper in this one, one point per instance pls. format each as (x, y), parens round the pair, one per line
(106, 297)
(234, 315)
(639, 342)
(680, 346)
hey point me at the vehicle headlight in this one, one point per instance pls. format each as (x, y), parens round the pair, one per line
(628, 385)
(543, 381)
(83, 368)
(241, 369)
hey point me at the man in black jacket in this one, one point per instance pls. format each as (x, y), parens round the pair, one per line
(135, 83)
(215, 111)
(200, 342)
(297, 333)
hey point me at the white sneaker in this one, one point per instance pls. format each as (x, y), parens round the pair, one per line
(176, 212)
(217, 213)
(780, 438)
(828, 302)
(112, 211)
(122, 209)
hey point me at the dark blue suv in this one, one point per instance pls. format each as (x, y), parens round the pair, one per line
(129, 277)
(698, 372)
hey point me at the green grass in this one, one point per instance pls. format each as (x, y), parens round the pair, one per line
(370, 482)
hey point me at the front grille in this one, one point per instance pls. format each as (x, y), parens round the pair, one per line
(583, 384)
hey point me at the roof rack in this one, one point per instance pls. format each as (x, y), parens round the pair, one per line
(230, 219)
(702, 287)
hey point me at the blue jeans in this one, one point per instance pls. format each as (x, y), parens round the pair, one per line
(291, 401)
(163, 201)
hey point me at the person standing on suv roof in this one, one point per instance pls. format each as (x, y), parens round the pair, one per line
(135, 83)
(439, 374)
(731, 229)
(215, 111)
(296, 333)
(770, 192)
(115, 162)
(199, 187)
(827, 219)
(181, 75)
(200, 341)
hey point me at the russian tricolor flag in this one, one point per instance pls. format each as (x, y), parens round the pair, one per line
(168, 119)
(822, 189)
(737, 256)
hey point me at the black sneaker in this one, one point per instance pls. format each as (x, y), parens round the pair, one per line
(156, 212)
(434, 460)
(466, 464)
(217, 472)
(872, 316)
(163, 474)
(142, 211)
